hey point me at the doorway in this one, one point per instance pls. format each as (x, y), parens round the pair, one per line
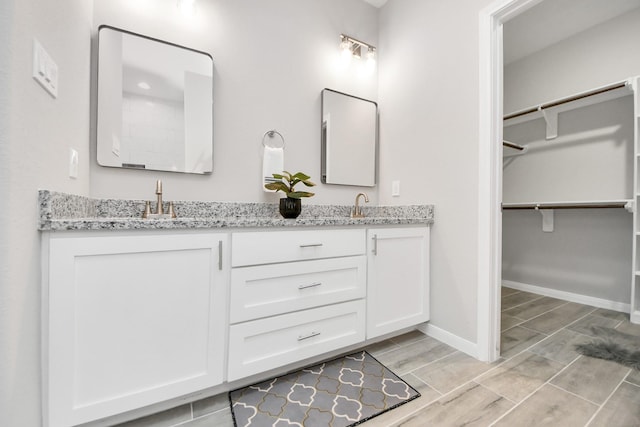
(495, 43)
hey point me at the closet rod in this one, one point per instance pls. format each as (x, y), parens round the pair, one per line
(566, 100)
(567, 206)
(512, 145)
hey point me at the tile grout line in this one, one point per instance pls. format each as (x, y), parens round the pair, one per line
(475, 379)
(518, 305)
(563, 369)
(595, 414)
(552, 377)
(544, 337)
(552, 334)
(537, 315)
(429, 363)
(575, 394)
(532, 393)
(560, 371)
(541, 314)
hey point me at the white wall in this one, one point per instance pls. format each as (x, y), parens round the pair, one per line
(428, 94)
(271, 61)
(36, 132)
(605, 54)
(589, 253)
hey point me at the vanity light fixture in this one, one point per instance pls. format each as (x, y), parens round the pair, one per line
(356, 48)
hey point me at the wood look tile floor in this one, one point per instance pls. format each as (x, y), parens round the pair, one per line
(540, 380)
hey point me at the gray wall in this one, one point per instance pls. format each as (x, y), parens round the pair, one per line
(36, 132)
(272, 60)
(429, 73)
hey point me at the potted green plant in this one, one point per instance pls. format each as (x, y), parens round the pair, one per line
(290, 206)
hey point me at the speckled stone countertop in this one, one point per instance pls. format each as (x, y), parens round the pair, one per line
(60, 211)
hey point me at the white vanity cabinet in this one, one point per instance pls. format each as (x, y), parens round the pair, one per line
(398, 279)
(130, 319)
(294, 295)
(135, 318)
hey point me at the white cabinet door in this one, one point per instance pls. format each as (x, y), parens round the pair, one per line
(398, 279)
(132, 320)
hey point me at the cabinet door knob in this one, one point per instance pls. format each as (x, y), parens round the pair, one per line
(310, 285)
(306, 337)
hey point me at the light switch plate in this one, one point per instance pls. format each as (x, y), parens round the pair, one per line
(73, 163)
(45, 70)
(395, 188)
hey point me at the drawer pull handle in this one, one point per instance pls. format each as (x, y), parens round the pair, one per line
(311, 245)
(306, 337)
(310, 285)
(375, 244)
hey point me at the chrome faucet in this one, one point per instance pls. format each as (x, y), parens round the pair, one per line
(159, 207)
(356, 211)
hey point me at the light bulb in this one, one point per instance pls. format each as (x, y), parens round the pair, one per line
(345, 44)
(345, 49)
(144, 85)
(371, 54)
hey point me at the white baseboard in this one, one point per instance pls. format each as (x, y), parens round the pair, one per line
(448, 338)
(568, 296)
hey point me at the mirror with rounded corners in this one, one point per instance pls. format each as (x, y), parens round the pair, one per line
(349, 139)
(155, 104)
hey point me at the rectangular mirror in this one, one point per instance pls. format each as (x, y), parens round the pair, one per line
(349, 139)
(155, 104)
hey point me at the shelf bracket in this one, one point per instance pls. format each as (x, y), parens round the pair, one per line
(547, 219)
(629, 206)
(551, 117)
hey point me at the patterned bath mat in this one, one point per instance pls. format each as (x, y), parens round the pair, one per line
(343, 392)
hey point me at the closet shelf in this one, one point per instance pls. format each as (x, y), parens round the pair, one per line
(590, 204)
(595, 96)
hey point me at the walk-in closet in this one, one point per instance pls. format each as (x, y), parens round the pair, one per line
(570, 174)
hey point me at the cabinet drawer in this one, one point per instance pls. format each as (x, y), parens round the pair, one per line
(260, 345)
(267, 290)
(254, 248)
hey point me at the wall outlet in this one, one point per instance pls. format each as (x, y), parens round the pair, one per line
(395, 188)
(73, 163)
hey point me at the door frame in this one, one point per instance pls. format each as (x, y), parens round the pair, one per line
(489, 270)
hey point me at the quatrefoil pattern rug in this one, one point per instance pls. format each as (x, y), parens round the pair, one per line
(339, 393)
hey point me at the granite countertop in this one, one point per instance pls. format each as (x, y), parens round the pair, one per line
(61, 211)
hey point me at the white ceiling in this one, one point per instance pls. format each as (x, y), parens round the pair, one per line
(553, 20)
